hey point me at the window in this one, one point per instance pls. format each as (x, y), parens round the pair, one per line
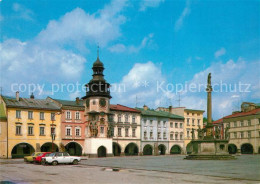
(30, 130)
(93, 118)
(176, 136)
(52, 116)
(242, 123)
(171, 136)
(133, 119)
(193, 122)
(119, 132)
(151, 135)
(176, 125)
(159, 135)
(171, 124)
(126, 132)
(68, 115)
(41, 115)
(94, 102)
(68, 131)
(18, 130)
(102, 130)
(181, 136)
(164, 135)
(188, 121)
(192, 114)
(145, 134)
(77, 115)
(242, 134)
(30, 114)
(18, 114)
(126, 118)
(78, 132)
(198, 122)
(42, 131)
(235, 124)
(119, 118)
(145, 121)
(249, 134)
(159, 123)
(151, 122)
(164, 124)
(180, 125)
(188, 133)
(235, 135)
(249, 123)
(133, 132)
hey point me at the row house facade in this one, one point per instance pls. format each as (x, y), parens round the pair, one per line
(126, 130)
(157, 133)
(242, 128)
(72, 125)
(31, 125)
(193, 120)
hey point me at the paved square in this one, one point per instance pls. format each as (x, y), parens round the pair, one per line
(146, 169)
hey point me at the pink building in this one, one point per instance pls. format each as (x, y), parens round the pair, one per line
(72, 125)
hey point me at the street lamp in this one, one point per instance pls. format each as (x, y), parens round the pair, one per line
(52, 130)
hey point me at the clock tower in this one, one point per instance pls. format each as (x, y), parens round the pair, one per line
(97, 101)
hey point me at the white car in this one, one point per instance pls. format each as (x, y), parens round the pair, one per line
(60, 158)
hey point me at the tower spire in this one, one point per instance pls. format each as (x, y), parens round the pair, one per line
(98, 51)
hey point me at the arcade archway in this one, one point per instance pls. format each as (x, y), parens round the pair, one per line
(102, 151)
(176, 149)
(21, 150)
(131, 149)
(161, 149)
(116, 149)
(47, 147)
(232, 149)
(74, 149)
(148, 150)
(247, 149)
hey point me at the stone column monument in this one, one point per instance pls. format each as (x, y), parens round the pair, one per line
(206, 147)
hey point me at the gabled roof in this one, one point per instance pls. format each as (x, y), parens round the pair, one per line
(70, 103)
(252, 112)
(163, 114)
(119, 107)
(218, 121)
(28, 103)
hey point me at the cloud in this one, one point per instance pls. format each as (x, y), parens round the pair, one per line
(220, 52)
(78, 27)
(144, 4)
(23, 12)
(45, 59)
(146, 42)
(185, 13)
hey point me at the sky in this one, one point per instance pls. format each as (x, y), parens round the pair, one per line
(155, 52)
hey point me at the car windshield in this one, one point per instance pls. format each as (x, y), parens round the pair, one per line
(37, 154)
(52, 155)
(47, 155)
(40, 154)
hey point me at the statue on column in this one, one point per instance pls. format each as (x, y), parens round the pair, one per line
(209, 79)
(217, 133)
(200, 133)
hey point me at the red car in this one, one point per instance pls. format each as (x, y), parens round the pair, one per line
(38, 159)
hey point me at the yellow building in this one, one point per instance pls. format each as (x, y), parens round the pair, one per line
(3, 132)
(193, 119)
(31, 124)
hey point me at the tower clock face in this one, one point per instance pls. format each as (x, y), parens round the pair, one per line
(102, 102)
(87, 103)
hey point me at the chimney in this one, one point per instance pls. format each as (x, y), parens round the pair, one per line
(77, 100)
(170, 109)
(32, 96)
(145, 107)
(17, 95)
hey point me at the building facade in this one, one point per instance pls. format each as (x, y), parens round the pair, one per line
(32, 125)
(72, 125)
(242, 128)
(156, 132)
(126, 130)
(193, 119)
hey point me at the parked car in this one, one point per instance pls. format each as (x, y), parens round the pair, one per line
(30, 158)
(60, 158)
(38, 159)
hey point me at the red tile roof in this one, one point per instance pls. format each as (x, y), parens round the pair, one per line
(252, 112)
(119, 107)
